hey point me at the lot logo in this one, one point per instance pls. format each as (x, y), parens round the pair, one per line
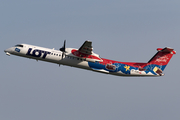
(37, 53)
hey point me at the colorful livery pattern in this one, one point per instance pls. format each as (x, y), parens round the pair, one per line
(85, 58)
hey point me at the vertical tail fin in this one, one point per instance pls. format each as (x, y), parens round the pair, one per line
(160, 60)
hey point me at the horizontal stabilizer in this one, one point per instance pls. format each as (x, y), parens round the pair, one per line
(167, 49)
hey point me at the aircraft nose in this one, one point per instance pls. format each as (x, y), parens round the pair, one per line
(8, 51)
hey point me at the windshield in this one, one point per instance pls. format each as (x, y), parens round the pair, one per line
(18, 45)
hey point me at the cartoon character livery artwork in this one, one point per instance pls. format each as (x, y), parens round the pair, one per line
(85, 58)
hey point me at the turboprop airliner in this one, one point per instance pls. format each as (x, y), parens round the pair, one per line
(85, 58)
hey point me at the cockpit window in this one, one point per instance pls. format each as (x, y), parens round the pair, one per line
(18, 45)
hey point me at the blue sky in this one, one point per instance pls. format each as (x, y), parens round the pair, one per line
(120, 30)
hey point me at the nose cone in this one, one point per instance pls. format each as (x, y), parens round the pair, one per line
(8, 51)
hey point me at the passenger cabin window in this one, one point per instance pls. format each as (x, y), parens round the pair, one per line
(18, 45)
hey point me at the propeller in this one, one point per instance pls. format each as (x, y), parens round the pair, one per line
(63, 49)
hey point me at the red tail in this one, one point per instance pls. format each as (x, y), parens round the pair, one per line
(162, 57)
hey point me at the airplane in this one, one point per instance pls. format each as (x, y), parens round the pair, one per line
(85, 58)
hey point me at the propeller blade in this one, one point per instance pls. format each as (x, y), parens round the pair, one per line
(64, 47)
(62, 55)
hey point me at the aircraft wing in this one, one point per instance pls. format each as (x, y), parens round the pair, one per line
(86, 48)
(85, 51)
